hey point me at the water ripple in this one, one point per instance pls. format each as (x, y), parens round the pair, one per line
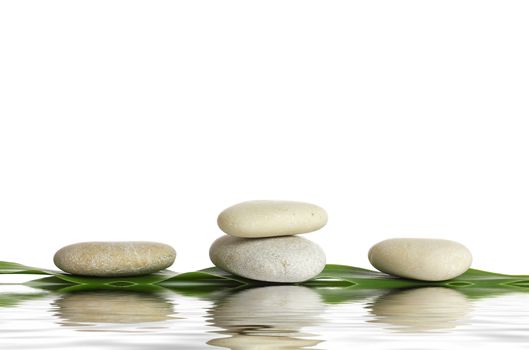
(273, 317)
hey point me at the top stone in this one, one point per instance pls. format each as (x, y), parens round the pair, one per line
(266, 218)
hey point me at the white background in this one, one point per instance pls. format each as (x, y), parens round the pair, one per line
(142, 120)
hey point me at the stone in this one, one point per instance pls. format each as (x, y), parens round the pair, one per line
(420, 258)
(266, 218)
(275, 259)
(114, 259)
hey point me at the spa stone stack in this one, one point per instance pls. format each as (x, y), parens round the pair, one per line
(262, 242)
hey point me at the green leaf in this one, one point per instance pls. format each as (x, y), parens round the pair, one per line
(7, 267)
(473, 283)
(335, 282)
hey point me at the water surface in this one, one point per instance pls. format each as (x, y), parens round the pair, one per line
(271, 317)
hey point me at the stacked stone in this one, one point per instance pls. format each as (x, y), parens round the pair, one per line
(262, 242)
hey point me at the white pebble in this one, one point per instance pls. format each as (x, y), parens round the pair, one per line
(420, 258)
(265, 218)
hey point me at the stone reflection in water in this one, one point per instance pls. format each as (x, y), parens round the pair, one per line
(421, 309)
(111, 307)
(267, 318)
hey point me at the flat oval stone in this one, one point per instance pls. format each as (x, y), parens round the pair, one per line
(113, 259)
(421, 258)
(265, 218)
(275, 259)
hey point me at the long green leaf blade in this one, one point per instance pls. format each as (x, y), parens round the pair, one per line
(333, 276)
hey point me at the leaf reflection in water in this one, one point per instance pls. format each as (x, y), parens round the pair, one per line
(267, 318)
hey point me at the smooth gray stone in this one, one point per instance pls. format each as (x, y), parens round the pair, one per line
(421, 258)
(265, 218)
(113, 259)
(275, 259)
